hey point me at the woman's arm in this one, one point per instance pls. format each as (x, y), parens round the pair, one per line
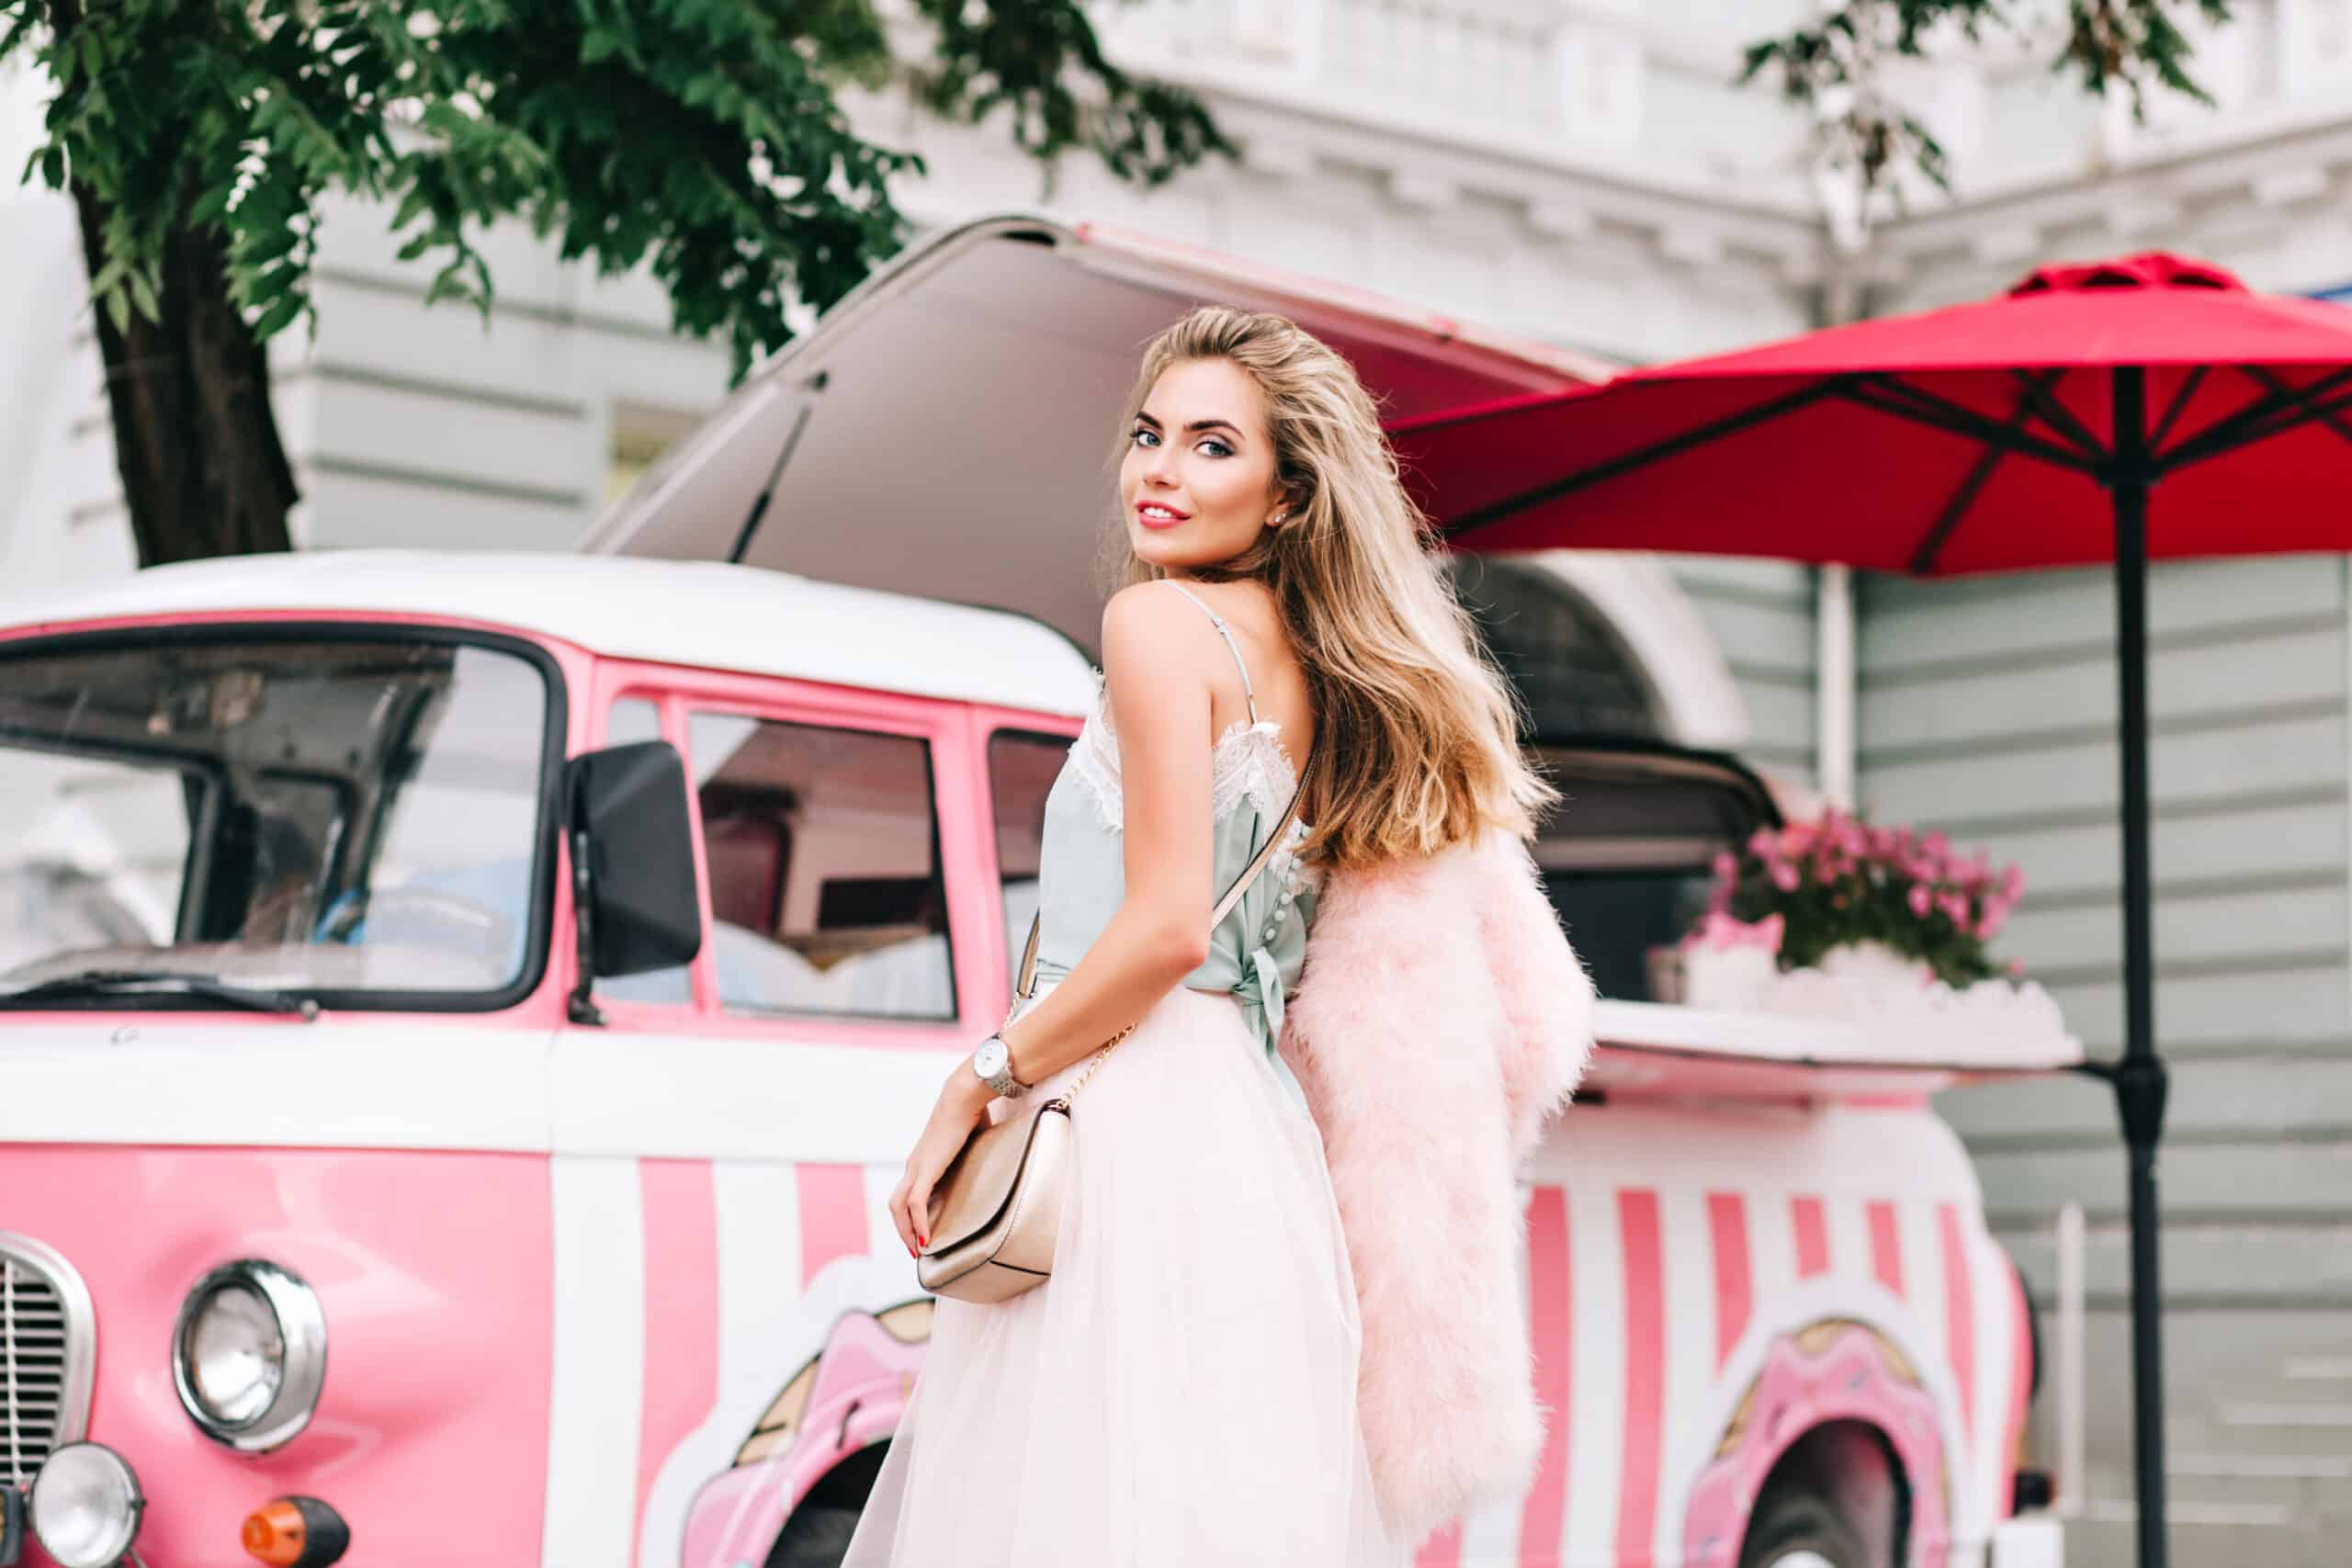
(1156, 653)
(1155, 668)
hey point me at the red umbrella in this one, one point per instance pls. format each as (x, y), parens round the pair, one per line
(2031, 430)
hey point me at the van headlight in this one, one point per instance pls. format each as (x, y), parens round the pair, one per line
(249, 1355)
(85, 1506)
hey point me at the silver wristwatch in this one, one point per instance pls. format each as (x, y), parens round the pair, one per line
(993, 1062)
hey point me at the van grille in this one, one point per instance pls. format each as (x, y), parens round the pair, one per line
(46, 1345)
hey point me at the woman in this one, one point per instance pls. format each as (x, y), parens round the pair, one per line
(1182, 1390)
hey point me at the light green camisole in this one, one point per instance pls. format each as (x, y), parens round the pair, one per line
(1256, 951)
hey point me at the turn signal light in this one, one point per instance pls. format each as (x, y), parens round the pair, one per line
(296, 1533)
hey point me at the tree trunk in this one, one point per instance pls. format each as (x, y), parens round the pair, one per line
(195, 437)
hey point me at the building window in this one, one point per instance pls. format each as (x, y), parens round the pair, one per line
(821, 846)
(1575, 675)
(639, 436)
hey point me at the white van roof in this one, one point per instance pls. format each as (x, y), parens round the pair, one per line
(949, 429)
(701, 614)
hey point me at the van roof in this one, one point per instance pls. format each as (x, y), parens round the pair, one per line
(704, 613)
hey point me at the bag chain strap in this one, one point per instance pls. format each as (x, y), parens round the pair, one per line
(1217, 917)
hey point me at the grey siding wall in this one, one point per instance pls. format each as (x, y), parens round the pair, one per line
(1762, 616)
(1989, 709)
(427, 428)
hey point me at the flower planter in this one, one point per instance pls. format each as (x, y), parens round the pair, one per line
(1875, 963)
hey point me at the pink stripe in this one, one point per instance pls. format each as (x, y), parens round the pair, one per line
(1886, 1247)
(1735, 1291)
(1960, 1315)
(1442, 1549)
(832, 1215)
(1813, 1236)
(1551, 1320)
(681, 1361)
(2020, 1392)
(1637, 1217)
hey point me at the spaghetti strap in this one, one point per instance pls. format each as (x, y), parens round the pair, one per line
(1249, 695)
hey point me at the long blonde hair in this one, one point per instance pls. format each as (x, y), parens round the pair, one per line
(1417, 744)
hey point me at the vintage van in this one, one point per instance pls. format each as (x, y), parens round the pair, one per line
(460, 1016)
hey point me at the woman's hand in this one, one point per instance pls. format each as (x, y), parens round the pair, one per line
(963, 1100)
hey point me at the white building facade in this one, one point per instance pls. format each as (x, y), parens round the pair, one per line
(1587, 171)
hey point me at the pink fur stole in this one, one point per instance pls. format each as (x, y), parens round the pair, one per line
(1440, 1020)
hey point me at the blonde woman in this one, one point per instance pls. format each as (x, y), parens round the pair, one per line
(1182, 1390)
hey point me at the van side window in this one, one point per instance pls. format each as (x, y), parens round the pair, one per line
(1022, 768)
(822, 851)
(633, 719)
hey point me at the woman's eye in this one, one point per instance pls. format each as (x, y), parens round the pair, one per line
(1217, 448)
(1144, 436)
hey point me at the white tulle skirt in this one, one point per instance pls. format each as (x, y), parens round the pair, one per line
(1182, 1390)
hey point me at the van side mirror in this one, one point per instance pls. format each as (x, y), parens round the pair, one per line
(632, 864)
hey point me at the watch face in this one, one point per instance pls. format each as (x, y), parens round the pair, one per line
(988, 1060)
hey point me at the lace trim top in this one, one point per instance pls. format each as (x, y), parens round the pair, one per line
(1249, 764)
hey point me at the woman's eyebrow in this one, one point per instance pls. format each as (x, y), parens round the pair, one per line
(1210, 423)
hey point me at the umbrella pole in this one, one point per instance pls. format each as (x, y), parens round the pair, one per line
(2141, 1081)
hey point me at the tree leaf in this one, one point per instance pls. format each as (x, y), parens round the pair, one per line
(278, 316)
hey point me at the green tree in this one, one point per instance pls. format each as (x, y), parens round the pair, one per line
(1830, 65)
(702, 138)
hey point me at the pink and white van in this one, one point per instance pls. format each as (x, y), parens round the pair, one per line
(460, 1016)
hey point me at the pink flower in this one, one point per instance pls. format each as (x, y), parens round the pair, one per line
(1726, 865)
(1920, 899)
(1954, 907)
(2016, 968)
(1796, 838)
(1722, 932)
(1763, 844)
(1784, 876)
(2012, 881)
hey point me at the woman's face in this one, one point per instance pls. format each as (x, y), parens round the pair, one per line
(1197, 481)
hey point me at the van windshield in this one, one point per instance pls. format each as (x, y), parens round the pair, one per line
(352, 818)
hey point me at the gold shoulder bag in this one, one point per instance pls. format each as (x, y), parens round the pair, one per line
(997, 1206)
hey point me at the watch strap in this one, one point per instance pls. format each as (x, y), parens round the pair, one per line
(1002, 1081)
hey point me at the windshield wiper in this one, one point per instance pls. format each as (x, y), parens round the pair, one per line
(134, 982)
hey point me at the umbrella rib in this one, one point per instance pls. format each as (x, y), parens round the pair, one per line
(2331, 418)
(1889, 396)
(1812, 393)
(2179, 405)
(2055, 415)
(1980, 474)
(2254, 421)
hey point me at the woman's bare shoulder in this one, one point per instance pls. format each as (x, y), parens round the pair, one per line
(1148, 626)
